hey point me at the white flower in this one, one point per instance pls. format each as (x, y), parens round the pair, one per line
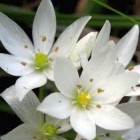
(90, 100)
(124, 49)
(34, 62)
(36, 126)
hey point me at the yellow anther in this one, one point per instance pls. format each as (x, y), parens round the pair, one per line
(91, 80)
(100, 90)
(98, 106)
(130, 68)
(79, 86)
(56, 49)
(23, 63)
(44, 38)
(26, 46)
(84, 98)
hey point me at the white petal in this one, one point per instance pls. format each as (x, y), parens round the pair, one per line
(82, 124)
(25, 109)
(14, 38)
(56, 105)
(22, 132)
(44, 27)
(49, 73)
(66, 77)
(134, 92)
(111, 118)
(68, 39)
(132, 109)
(28, 82)
(14, 65)
(111, 135)
(102, 66)
(83, 59)
(133, 134)
(116, 87)
(134, 69)
(126, 47)
(84, 45)
(102, 38)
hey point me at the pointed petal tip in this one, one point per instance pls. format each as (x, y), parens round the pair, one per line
(86, 18)
(136, 28)
(107, 22)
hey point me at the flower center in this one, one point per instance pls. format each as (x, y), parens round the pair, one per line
(50, 130)
(40, 60)
(83, 99)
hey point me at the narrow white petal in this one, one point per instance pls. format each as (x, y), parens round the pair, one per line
(102, 38)
(25, 109)
(134, 69)
(84, 45)
(63, 125)
(14, 65)
(133, 134)
(22, 132)
(83, 59)
(82, 123)
(44, 27)
(111, 118)
(132, 109)
(102, 66)
(116, 87)
(14, 38)
(126, 47)
(66, 77)
(134, 92)
(68, 39)
(49, 73)
(28, 82)
(111, 135)
(56, 105)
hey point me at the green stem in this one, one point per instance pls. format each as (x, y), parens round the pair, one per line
(41, 93)
(116, 11)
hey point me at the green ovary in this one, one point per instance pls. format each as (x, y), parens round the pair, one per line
(50, 130)
(40, 60)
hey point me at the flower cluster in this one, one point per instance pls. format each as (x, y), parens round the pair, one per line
(86, 101)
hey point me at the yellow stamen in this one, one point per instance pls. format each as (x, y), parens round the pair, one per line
(91, 80)
(56, 49)
(100, 90)
(44, 38)
(84, 98)
(23, 63)
(98, 106)
(130, 68)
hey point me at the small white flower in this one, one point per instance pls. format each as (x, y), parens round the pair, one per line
(36, 126)
(90, 99)
(34, 62)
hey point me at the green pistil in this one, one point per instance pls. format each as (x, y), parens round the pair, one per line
(40, 60)
(50, 130)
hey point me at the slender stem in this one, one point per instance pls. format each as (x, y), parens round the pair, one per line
(116, 11)
(41, 93)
